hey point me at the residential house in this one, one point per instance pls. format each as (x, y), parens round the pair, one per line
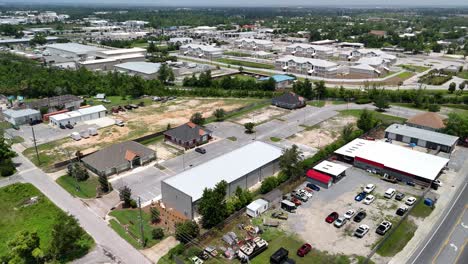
(201, 51)
(188, 135)
(310, 51)
(308, 66)
(289, 100)
(254, 44)
(67, 101)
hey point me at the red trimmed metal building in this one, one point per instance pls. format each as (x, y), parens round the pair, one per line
(319, 178)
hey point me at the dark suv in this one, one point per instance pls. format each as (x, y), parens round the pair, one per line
(200, 150)
(359, 216)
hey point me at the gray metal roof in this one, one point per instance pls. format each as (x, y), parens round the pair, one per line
(114, 155)
(188, 132)
(20, 113)
(228, 167)
(140, 66)
(435, 137)
(74, 48)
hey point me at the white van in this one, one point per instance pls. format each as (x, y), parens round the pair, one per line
(389, 193)
(76, 136)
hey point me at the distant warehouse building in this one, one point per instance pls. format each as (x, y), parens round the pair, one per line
(80, 115)
(146, 70)
(21, 117)
(243, 167)
(421, 137)
(403, 163)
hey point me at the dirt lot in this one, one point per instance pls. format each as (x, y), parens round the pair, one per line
(262, 115)
(325, 133)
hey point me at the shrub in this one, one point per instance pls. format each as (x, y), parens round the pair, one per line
(7, 168)
(433, 108)
(177, 250)
(363, 101)
(268, 184)
(157, 233)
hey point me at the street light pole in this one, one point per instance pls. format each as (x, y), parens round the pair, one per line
(35, 145)
(141, 223)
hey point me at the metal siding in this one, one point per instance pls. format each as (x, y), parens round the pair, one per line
(422, 143)
(176, 199)
(237, 183)
(406, 139)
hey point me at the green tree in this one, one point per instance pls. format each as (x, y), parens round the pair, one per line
(38, 39)
(155, 215)
(461, 86)
(366, 121)
(241, 69)
(66, 238)
(7, 167)
(433, 108)
(219, 114)
(249, 127)
(212, 205)
(165, 73)
(381, 102)
(347, 132)
(78, 171)
(457, 124)
(157, 233)
(197, 118)
(104, 183)
(268, 184)
(125, 194)
(290, 162)
(452, 87)
(24, 248)
(187, 231)
(320, 89)
(151, 48)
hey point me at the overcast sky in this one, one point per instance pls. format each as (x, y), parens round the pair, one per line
(265, 3)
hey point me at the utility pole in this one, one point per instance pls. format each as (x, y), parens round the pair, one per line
(35, 145)
(72, 170)
(141, 224)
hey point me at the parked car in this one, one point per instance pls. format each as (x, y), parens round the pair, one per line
(411, 183)
(306, 193)
(410, 201)
(302, 197)
(69, 126)
(62, 126)
(349, 214)
(200, 150)
(331, 217)
(389, 178)
(399, 196)
(360, 216)
(340, 221)
(389, 193)
(402, 210)
(383, 227)
(128, 107)
(196, 260)
(369, 199)
(437, 182)
(296, 201)
(304, 249)
(313, 187)
(360, 196)
(369, 188)
(361, 231)
(280, 215)
(119, 123)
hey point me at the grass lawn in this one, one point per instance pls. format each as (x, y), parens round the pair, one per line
(118, 100)
(386, 119)
(237, 54)
(246, 63)
(244, 111)
(38, 217)
(398, 239)
(405, 75)
(232, 138)
(463, 74)
(316, 103)
(420, 209)
(87, 188)
(152, 140)
(275, 139)
(47, 155)
(414, 68)
(130, 218)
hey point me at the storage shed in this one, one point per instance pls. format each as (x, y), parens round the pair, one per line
(335, 170)
(21, 117)
(80, 115)
(319, 179)
(257, 207)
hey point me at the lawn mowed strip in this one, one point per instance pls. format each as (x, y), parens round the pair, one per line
(398, 239)
(86, 189)
(246, 63)
(384, 118)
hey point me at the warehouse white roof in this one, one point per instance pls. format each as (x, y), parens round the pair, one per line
(74, 48)
(427, 135)
(395, 157)
(113, 58)
(256, 41)
(331, 168)
(78, 113)
(20, 113)
(122, 51)
(228, 167)
(207, 48)
(140, 66)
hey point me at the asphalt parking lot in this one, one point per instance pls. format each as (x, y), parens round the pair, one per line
(309, 220)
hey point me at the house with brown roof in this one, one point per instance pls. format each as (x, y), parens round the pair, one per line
(378, 33)
(188, 135)
(428, 120)
(118, 158)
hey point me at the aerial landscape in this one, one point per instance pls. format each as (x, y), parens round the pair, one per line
(279, 132)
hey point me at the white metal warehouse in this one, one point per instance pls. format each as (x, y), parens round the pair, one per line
(80, 115)
(401, 162)
(243, 167)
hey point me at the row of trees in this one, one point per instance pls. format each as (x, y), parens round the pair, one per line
(306, 90)
(228, 83)
(67, 241)
(7, 167)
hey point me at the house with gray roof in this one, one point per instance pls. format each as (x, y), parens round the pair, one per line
(118, 158)
(289, 100)
(188, 135)
(146, 70)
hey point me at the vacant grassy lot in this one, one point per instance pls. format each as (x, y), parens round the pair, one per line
(420, 209)
(316, 103)
(18, 216)
(386, 119)
(463, 74)
(237, 54)
(414, 68)
(130, 218)
(246, 63)
(398, 239)
(87, 189)
(405, 75)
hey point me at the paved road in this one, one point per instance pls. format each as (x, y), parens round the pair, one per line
(95, 226)
(448, 237)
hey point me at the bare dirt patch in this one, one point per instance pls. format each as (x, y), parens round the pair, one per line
(164, 151)
(261, 115)
(325, 133)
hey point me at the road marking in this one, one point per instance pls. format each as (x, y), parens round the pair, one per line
(454, 247)
(461, 251)
(438, 227)
(463, 225)
(450, 234)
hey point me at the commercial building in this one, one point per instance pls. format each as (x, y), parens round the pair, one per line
(146, 70)
(309, 51)
(335, 170)
(188, 135)
(289, 100)
(281, 80)
(55, 103)
(180, 41)
(421, 137)
(106, 54)
(308, 66)
(80, 115)
(201, 51)
(254, 44)
(319, 179)
(428, 120)
(404, 163)
(73, 51)
(109, 63)
(244, 167)
(21, 117)
(118, 158)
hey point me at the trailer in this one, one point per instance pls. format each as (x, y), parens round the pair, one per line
(92, 131)
(288, 206)
(76, 136)
(84, 134)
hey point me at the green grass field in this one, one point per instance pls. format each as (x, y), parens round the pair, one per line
(404, 75)
(237, 54)
(414, 68)
(398, 239)
(316, 103)
(275, 139)
(463, 74)
(130, 217)
(420, 209)
(386, 119)
(16, 217)
(246, 63)
(87, 189)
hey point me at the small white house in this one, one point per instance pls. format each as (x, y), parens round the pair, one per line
(257, 207)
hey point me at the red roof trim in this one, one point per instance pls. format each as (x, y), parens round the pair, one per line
(370, 162)
(313, 174)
